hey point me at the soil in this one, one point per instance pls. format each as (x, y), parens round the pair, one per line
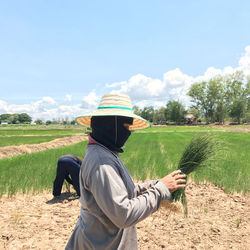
(216, 220)
(242, 130)
(10, 151)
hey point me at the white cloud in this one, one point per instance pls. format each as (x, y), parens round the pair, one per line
(35, 107)
(244, 62)
(143, 90)
(90, 101)
(175, 84)
(213, 72)
(3, 107)
(68, 97)
(43, 105)
(139, 87)
(176, 78)
(115, 84)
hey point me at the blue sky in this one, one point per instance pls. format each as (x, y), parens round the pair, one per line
(57, 58)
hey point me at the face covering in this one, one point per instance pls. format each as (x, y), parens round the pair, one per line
(110, 131)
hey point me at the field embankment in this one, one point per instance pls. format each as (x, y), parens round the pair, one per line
(10, 151)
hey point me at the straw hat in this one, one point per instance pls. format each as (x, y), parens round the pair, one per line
(115, 105)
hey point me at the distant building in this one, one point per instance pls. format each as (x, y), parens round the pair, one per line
(189, 118)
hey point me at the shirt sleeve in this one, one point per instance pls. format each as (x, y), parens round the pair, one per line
(112, 198)
(164, 190)
(142, 187)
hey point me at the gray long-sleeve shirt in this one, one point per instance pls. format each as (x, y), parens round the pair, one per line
(111, 203)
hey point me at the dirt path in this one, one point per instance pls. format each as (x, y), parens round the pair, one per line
(10, 151)
(216, 221)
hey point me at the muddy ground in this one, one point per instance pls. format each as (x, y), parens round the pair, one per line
(216, 220)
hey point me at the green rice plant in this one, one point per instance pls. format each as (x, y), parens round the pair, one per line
(238, 222)
(20, 140)
(41, 132)
(33, 172)
(230, 169)
(146, 155)
(183, 129)
(198, 151)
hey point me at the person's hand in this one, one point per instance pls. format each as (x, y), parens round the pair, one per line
(174, 181)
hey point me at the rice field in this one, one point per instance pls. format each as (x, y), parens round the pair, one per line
(33, 172)
(202, 128)
(38, 132)
(20, 140)
(147, 154)
(155, 154)
(18, 135)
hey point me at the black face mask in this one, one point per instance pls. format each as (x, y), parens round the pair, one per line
(110, 131)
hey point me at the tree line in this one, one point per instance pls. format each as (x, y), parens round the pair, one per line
(22, 118)
(216, 100)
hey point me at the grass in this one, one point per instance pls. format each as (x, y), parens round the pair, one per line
(196, 155)
(146, 155)
(22, 132)
(29, 134)
(19, 140)
(33, 172)
(154, 155)
(186, 128)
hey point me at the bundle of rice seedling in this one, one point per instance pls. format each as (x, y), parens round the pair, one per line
(198, 151)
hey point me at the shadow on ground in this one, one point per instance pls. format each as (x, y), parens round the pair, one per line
(63, 198)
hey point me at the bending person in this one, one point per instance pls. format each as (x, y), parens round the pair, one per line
(68, 168)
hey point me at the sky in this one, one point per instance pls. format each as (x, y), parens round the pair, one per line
(57, 58)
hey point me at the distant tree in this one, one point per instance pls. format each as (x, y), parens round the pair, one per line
(209, 98)
(148, 113)
(220, 112)
(5, 118)
(73, 122)
(137, 110)
(237, 110)
(10, 118)
(175, 112)
(24, 118)
(65, 121)
(13, 119)
(56, 121)
(38, 122)
(236, 95)
(48, 122)
(159, 116)
(194, 111)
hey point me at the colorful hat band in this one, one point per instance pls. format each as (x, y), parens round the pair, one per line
(114, 107)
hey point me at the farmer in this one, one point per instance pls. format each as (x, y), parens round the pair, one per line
(67, 165)
(111, 203)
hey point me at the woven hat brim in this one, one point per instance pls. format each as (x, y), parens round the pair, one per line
(138, 122)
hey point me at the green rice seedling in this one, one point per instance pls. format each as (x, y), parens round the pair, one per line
(238, 222)
(20, 140)
(33, 172)
(198, 151)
